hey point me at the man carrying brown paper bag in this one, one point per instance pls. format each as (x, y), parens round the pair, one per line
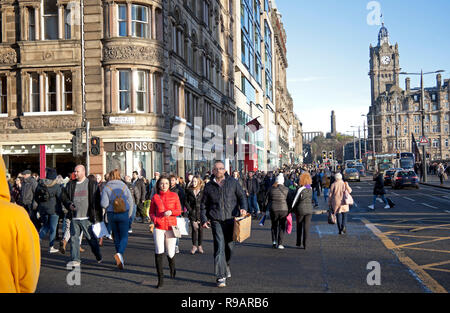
(223, 200)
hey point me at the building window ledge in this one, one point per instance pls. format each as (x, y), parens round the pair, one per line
(48, 113)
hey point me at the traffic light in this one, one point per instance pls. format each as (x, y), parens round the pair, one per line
(324, 155)
(95, 145)
(330, 155)
(77, 142)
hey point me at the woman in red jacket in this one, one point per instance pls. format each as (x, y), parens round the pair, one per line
(165, 207)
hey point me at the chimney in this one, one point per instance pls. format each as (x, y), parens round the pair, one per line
(408, 84)
(439, 81)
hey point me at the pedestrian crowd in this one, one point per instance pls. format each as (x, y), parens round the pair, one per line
(105, 207)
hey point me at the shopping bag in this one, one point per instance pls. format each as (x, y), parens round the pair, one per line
(100, 230)
(289, 224)
(183, 225)
(147, 207)
(331, 217)
(242, 227)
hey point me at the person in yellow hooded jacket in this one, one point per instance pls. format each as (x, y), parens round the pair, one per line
(20, 252)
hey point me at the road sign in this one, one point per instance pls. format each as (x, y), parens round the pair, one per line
(424, 140)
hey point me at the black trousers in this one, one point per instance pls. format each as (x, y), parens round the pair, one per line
(140, 210)
(303, 224)
(223, 246)
(197, 234)
(278, 226)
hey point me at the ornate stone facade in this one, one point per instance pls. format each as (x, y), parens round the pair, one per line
(397, 112)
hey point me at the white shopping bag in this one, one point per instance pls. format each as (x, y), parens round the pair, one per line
(183, 225)
(100, 230)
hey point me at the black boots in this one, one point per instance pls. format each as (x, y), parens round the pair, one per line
(159, 269)
(173, 271)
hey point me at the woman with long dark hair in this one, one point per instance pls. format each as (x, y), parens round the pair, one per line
(165, 207)
(194, 196)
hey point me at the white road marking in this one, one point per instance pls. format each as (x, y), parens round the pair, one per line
(395, 194)
(430, 206)
(409, 199)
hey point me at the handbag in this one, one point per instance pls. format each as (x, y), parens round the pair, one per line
(348, 199)
(183, 225)
(331, 217)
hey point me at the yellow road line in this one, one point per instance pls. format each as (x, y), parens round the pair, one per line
(439, 269)
(394, 233)
(421, 242)
(424, 277)
(436, 264)
(425, 249)
(431, 227)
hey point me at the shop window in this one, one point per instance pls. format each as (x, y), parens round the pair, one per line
(3, 95)
(50, 19)
(116, 160)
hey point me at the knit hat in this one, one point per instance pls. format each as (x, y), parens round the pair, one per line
(50, 173)
(280, 179)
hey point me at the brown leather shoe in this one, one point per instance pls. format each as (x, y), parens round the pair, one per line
(62, 246)
(82, 250)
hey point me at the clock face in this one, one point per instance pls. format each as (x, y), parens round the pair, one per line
(386, 60)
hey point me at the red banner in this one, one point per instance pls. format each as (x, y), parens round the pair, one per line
(42, 161)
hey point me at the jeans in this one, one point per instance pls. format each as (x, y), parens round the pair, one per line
(382, 197)
(133, 215)
(303, 223)
(253, 207)
(278, 226)
(85, 226)
(120, 227)
(49, 221)
(325, 193)
(314, 197)
(341, 220)
(223, 246)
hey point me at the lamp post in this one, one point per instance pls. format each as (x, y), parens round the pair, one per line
(372, 117)
(422, 109)
(359, 140)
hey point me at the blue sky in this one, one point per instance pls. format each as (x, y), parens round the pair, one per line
(328, 53)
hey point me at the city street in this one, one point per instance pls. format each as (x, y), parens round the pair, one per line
(410, 243)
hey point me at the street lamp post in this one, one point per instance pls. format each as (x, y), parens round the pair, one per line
(422, 110)
(372, 117)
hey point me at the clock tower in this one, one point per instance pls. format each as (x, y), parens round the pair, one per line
(384, 65)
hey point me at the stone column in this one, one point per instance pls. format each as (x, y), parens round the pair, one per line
(129, 30)
(151, 97)
(133, 108)
(37, 21)
(61, 32)
(153, 22)
(59, 91)
(41, 91)
(113, 87)
(108, 90)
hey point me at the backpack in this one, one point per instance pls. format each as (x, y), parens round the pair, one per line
(119, 203)
(42, 194)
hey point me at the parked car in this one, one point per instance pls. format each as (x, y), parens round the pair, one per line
(405, 178)
(362, 171)
(352, 174)
(389, 174)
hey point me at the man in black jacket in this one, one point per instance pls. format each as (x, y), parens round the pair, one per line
(252, 187)
(223, 199)
(140, 193)
(82, 198)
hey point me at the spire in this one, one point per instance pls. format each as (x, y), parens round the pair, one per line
(383, 35)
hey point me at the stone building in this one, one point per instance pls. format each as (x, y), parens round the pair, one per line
(150, 65)
(397, 112)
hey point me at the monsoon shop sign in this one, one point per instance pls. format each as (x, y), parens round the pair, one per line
(133, 146)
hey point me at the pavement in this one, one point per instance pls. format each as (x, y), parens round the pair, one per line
(407, 246)
(433, 180)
